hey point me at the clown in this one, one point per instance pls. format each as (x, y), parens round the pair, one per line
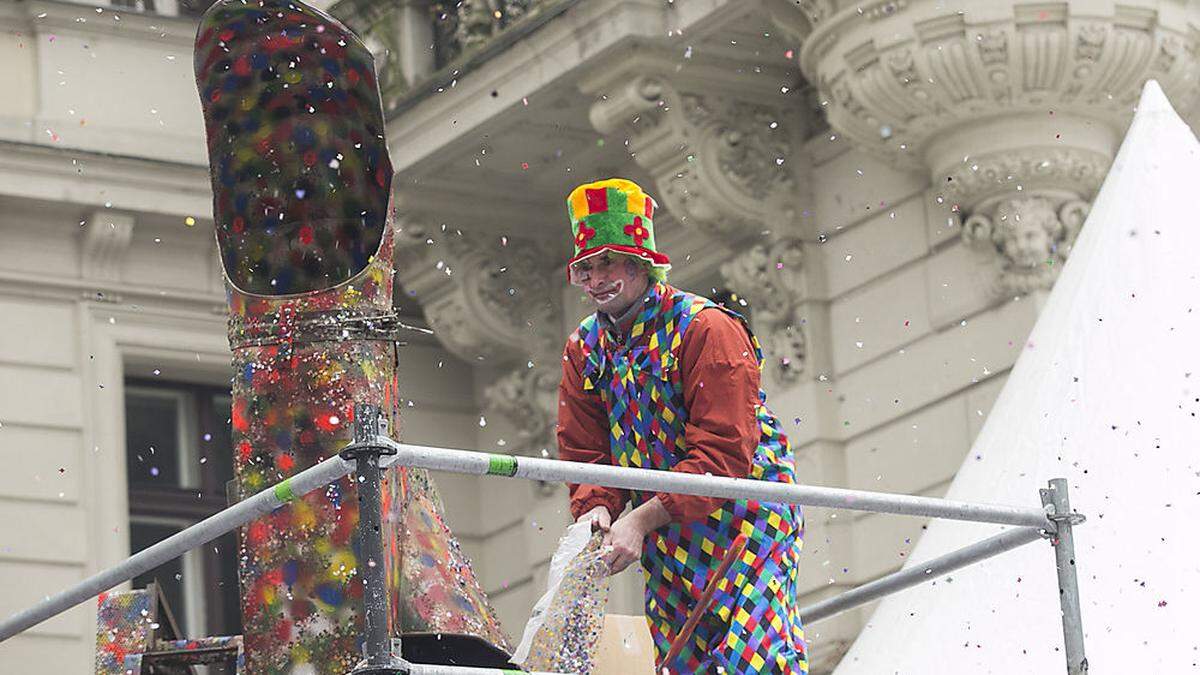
(658, 378)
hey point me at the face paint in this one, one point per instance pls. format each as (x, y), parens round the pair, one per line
(612, 281)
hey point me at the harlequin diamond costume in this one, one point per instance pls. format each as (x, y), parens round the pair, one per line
(679, 391)
(301, 201)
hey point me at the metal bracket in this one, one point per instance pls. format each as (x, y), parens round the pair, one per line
(369, 424)
(1069, 519)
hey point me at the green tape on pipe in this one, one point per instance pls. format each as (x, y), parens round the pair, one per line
(283, 491)
(502, 465)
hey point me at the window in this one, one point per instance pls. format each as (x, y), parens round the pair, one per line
(139, 5)
(179, 458)
(165, 7)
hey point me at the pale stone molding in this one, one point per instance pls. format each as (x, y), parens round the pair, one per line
(901, 75)
(771, 278)
(1031, 235)
(106, 238)
(1023, 170)
(721, 163)
(485, 299)
(527, 396)
(1015, 109)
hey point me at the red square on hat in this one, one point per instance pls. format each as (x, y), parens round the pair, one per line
(597, 200)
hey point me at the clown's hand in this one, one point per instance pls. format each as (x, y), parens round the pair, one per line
(623, 543)
(600, 517)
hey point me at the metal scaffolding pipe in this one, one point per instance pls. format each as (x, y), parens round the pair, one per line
(532, 468)
(177, 544)
(919, 574)
(1068, 584)
(553, 470)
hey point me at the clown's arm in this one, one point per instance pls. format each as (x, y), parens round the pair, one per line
(720, 389)
(721, 393)
(583, 437)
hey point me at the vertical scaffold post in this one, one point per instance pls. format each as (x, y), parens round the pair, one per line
(1058, 509)
(381, 658)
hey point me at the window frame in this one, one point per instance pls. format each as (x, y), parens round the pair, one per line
(201, 494)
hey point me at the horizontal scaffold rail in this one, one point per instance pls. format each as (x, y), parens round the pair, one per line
(532, 468)
(652, 480)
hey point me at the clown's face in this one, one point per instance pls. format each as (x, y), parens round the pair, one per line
(611, 280)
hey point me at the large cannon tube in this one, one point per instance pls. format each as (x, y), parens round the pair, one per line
(301, 201)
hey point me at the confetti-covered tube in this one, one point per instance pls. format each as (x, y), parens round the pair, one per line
(301, 204)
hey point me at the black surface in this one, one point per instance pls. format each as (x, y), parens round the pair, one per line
(449, 649)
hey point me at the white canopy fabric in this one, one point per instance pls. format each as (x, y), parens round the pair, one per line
(1107, 395)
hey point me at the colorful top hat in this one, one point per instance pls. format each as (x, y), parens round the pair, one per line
(614, 215)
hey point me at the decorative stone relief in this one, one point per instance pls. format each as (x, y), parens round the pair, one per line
(493, 299)
(1016, 118)
(770, 277)
(106, 238)
(1072, 170)
(528, 397)
(1031, 235)
(485, 299)
(937, 71)
(720, 164)
(464, 25)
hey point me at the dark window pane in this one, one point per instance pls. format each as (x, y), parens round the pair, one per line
(218, 447)
(152, 439)
(164, 483)
(231, 613)
(169, 575)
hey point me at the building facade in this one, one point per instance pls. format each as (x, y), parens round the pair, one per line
(888, 188)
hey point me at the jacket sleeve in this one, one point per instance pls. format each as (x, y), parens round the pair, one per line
(721, 385)
(583, 434)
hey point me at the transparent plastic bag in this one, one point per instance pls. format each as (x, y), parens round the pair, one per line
(563, 633)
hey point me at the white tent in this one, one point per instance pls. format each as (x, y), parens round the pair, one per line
(1107, 395)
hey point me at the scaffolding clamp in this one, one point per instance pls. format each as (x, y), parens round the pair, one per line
(1069, 519)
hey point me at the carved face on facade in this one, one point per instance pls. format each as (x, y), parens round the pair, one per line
(1027, 231)
(612, 281)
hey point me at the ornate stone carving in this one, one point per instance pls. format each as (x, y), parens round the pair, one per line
(467, 24)
(1075, 171)
(770, 277)
(720, 163)
(106, 238)
(936, 71)
(1032, 237)
(484, 298)
(1016, 113)
(528, 397)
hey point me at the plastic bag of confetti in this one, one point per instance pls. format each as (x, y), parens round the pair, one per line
(563, 633)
